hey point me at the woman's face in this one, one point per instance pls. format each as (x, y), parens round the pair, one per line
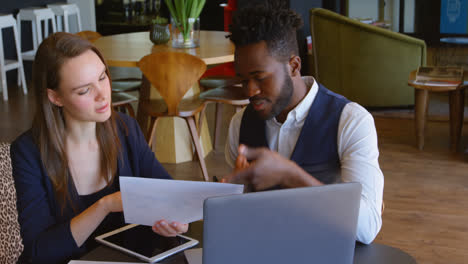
(84, 90)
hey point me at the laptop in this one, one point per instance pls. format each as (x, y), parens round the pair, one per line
(301, 225)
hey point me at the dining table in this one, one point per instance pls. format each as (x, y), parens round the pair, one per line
(172, 143)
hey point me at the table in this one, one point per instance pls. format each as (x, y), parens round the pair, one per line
(125, 50)
(456, 104)
(364, 254)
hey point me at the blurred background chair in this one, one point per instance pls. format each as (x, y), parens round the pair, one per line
(231, 95)
(365, 63)
(63, 11)
(11, 245)
(220, 84)
(124, 80)
(173, 74)
(36, 15)
(8, 21)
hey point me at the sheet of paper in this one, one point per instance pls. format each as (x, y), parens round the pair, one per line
(99, 262)
(146, 201)
(194, 255)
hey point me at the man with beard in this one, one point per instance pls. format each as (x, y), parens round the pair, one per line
(295, 132)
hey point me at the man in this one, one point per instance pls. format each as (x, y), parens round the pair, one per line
(295, 132)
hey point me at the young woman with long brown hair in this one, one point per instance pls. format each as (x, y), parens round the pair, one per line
(66, 166)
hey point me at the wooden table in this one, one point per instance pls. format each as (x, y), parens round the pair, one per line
(125, 50)
(456, 104)
(172, 143)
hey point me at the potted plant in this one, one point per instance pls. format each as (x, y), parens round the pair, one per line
(185, 22)
(159, 33)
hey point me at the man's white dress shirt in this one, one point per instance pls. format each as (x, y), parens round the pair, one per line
(357, 149)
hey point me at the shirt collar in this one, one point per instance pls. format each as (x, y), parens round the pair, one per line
(302, 109)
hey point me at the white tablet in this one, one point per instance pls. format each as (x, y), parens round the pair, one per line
(140, 241)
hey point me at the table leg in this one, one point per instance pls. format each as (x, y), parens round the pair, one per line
(421, 101)
(457, 103)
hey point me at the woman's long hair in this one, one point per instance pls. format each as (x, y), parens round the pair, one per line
(49, 125)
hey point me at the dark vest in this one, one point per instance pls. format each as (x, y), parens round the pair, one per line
(316, 148)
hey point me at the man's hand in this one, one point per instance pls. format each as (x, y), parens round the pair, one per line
(267, 168)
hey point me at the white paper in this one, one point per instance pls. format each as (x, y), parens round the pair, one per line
(194, 255)
(146, 201)
(99, 262)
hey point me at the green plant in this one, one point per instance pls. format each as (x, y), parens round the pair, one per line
(182, 10)
(159, 20)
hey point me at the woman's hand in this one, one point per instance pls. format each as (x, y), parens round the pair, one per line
(166, 229)
(113, 202)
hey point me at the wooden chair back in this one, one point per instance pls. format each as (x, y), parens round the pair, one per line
(89, 35)
(172, 74)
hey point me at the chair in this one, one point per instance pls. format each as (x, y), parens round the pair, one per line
(65, 10)
(365, 63)
(8, 21)
(222, 79)
(123, 100)
(230, 94)
(11, 245)
(36, 15)
(122, 81)
(173, 74)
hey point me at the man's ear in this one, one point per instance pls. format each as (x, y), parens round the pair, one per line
(54, 97)
(295, 65)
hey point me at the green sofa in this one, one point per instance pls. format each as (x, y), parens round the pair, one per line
(367, 64)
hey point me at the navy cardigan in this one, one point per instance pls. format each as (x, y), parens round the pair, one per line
(45, 229)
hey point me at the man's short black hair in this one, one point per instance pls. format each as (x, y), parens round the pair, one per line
(270, 22)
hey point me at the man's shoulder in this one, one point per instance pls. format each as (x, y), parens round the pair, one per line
(354, 110)
(353, 117)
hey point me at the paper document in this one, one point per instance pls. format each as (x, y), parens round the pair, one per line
(146, 201)
(194, 255)
(99, 262)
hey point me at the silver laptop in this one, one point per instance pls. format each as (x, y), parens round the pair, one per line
(302, 225)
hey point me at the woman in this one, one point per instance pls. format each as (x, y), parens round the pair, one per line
(66, 167)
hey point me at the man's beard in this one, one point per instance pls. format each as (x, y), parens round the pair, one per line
(283, 98)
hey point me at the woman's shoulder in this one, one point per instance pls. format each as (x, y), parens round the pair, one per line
(24, 141)
(24, 151)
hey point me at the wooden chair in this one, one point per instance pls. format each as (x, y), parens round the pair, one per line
(122, 101)
(223, 79)
(122, 83)
(231, 94)
(173, 74)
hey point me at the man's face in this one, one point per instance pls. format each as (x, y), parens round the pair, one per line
(265, 79)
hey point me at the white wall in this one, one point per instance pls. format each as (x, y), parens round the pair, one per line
(409, 16)
(88, 15)
(363, 9)
(396, 15)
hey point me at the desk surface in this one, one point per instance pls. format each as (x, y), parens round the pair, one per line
(125, 50)
(364, 254)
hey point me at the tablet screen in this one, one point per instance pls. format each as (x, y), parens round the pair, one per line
(142, 240)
